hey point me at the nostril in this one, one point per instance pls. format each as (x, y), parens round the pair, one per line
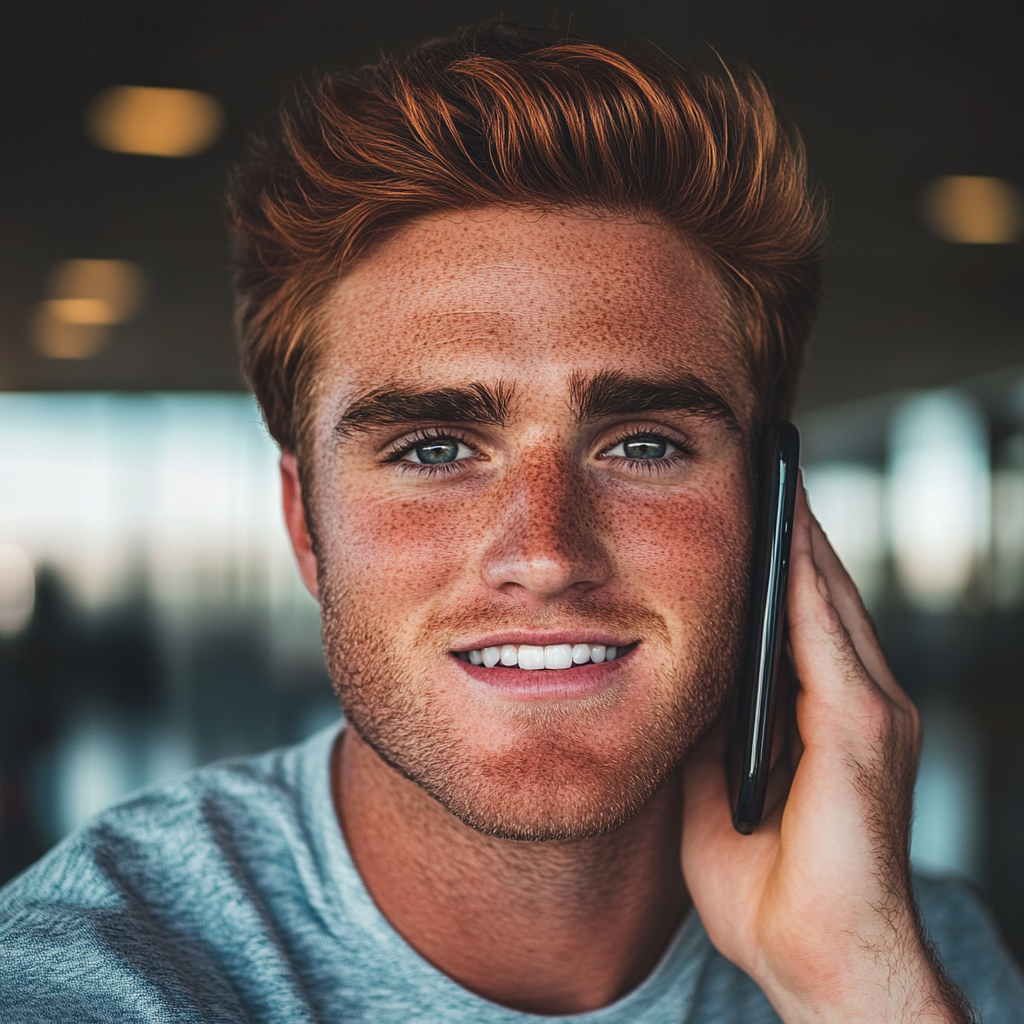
(540, 543)
(542, 574)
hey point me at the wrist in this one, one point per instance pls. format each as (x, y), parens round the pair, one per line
(883, 989)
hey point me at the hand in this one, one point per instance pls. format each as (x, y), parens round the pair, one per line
(816, 906)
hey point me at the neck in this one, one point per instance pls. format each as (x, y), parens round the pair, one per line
(551, 928)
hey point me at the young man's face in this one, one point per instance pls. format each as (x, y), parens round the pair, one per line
(532, 432)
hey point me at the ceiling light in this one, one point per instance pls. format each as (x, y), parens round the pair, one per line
(57, 339)
(96, 291)
(154, 122)
(83, 311)
(86, 298)
(973, 210)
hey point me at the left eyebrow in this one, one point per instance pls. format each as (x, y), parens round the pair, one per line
(614, 393)
(398, 404)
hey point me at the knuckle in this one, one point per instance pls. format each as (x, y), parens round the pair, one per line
(875, 718)
(819, 615)
(887, 734)
(868, 723)
(829, 618)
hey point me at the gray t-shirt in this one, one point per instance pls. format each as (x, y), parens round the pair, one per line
(229, 895)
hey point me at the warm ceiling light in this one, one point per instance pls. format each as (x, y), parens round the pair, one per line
(83, 311)
(87, 297)
(154, 122)
(974, 210)
(95, 291)
(57, 339)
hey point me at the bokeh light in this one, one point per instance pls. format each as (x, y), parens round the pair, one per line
(848, 500)
(939, 496)
(973, 210)
(17, 589)
(154, 122)
(86, 298)
(1008, 526)
(949, 798)
(55, 338)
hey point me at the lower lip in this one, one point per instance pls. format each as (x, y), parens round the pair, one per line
(546, 684)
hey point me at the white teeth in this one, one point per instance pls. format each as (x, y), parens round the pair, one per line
(529, 656)
(558, 656)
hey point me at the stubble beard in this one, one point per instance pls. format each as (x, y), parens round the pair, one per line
(557, 781)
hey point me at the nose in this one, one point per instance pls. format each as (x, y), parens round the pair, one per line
(546, 540)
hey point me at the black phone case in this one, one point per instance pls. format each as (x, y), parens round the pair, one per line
(755, 707)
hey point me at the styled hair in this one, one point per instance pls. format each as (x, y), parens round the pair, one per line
(499, 116)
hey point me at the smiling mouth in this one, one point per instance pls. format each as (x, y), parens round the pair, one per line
(532, 658)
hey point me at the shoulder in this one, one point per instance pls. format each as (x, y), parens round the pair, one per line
(113, 922)
(968, 941)
(162, 830)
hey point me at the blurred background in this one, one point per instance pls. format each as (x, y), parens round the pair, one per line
(150, 615)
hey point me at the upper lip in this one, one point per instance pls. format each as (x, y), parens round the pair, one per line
(547, 638)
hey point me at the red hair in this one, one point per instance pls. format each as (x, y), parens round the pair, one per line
(494, 116)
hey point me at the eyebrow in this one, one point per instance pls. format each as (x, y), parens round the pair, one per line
(396, 404)
(615, 393)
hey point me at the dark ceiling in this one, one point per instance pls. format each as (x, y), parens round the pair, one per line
(888, 95)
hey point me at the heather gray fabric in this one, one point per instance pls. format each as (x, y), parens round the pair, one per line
(229, 895)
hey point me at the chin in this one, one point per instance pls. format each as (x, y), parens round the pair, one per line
(529, 771)
(561, 776)
(565, 807)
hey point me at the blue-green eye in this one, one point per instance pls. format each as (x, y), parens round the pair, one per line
(437, 451)
(643, 446)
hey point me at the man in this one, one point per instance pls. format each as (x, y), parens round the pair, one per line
(518, 316)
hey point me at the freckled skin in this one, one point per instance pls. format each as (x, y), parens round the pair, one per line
(539, 529)
(531, 845)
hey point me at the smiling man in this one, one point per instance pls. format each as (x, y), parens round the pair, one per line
(518, 316)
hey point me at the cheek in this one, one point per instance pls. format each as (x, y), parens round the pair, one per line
(397, 552)
(686, 550)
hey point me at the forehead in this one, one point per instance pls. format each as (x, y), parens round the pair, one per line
(530, 296)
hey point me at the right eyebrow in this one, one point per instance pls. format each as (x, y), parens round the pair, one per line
(397, 404)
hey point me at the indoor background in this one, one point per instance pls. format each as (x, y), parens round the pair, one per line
(150, 615)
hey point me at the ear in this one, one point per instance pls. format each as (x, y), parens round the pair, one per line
(295, 520)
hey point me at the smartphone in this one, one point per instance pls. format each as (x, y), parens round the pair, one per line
(755, 704)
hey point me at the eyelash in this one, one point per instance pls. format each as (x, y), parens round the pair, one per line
(396, 454)
(686, 450)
